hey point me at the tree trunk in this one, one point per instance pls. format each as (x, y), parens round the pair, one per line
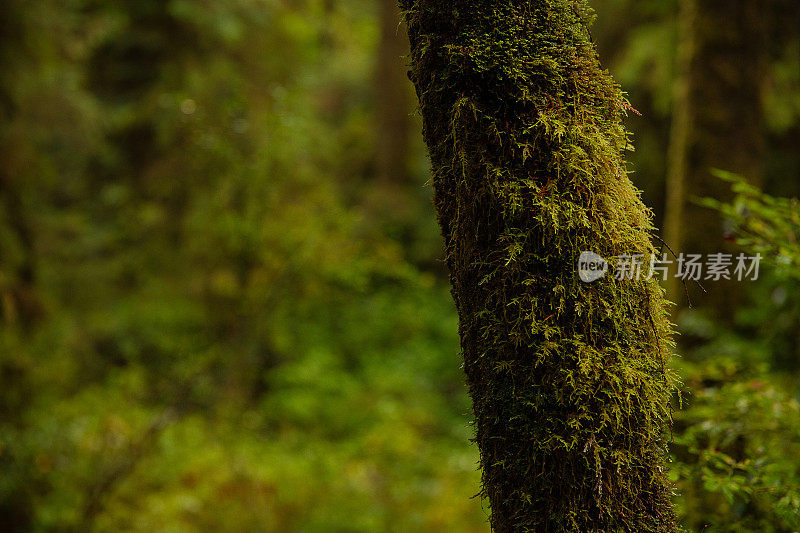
(19, 298)
(717, 123)
(680, 131)
(568, 379)
(392, 100)
(391, 196)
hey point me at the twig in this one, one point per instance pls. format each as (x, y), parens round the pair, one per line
(683, 281)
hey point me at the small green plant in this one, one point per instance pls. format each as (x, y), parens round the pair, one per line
(762, 223)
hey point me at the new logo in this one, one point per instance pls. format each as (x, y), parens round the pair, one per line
(591, 267)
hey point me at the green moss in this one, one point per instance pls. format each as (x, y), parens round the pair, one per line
(568, 380)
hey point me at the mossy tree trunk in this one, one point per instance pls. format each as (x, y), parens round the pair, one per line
(569, 381)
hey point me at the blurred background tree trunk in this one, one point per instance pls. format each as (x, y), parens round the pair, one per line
(717, 123)
(19, 302)
(392, 100)
(391, 194)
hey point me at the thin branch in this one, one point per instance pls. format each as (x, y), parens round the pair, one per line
(683, 281)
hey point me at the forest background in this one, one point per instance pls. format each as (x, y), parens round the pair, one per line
(223, 305)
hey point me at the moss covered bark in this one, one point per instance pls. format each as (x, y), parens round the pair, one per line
(569, 380)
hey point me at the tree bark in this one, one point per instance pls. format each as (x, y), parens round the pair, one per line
(568, 379)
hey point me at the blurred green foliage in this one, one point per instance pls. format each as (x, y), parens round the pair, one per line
(763, 224)
(226, 341)
(738, 439)
(212, 318)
